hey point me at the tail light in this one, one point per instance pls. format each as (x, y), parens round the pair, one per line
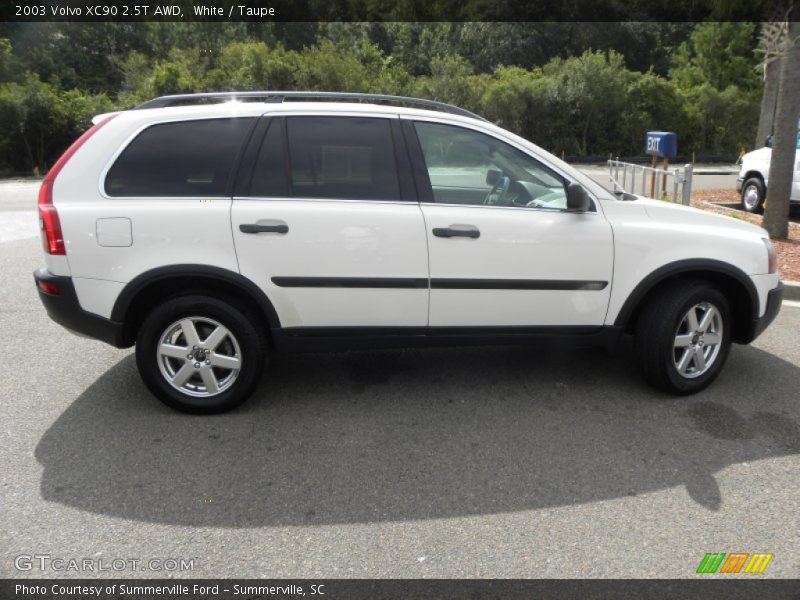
(49, 223)
(48, 287)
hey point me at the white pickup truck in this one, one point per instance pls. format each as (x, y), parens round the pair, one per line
(754, 176)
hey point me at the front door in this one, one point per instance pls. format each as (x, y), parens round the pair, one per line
(329, 227)
(503, 250)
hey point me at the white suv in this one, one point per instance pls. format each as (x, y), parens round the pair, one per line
(754, 175)
(211, 234)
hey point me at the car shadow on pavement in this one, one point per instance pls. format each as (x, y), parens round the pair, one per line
(415, 434)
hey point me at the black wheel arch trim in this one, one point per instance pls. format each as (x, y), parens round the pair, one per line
(131, 290)
(753, 175)
(687, 266)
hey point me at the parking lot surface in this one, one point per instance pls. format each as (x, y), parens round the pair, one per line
(533, 461)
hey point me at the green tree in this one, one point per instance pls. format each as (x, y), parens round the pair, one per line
(253, 66)
(719, 54)
(510, 97)
(652, 104)
(719, 122)
(9, 68)
(449, 81)
(565, 86)
(39, 121)
(592, 88)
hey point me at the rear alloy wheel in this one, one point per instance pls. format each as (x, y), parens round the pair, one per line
(753, 194)
(683, 336)
(198, 354)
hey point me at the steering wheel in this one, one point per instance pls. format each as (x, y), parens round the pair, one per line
(498, 192)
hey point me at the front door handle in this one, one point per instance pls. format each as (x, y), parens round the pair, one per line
(469, 231)
(264, 227)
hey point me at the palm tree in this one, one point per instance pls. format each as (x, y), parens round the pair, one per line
(784, 141)
(773, 40)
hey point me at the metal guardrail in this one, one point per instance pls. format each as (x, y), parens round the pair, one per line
(628, 177)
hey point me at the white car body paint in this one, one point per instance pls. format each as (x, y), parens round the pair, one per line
(621, 243)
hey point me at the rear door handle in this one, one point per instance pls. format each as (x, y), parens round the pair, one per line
(264, 227)
(469, 231)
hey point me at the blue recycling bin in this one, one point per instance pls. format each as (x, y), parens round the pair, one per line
(663, 144)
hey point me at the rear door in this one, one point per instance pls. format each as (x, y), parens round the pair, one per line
(328, 225)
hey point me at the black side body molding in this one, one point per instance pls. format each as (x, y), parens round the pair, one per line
(351, 282)
(517, 284)
(442, 284)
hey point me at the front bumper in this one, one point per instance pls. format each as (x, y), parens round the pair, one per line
(758, 325)
(739, 184)
(63, 307)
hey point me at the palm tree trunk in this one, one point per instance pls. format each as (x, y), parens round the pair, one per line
(772, 73)
(784, 141)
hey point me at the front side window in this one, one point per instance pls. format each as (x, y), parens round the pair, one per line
(185, 158)
(342, 158)
(469, 167)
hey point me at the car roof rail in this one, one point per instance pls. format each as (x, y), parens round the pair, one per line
(174, 99)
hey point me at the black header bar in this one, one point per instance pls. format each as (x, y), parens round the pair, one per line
(377, 10)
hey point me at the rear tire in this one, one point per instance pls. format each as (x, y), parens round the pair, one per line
(199, 354)
(674, 351)
(753, 195)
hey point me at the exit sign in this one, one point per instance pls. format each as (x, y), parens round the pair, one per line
(661, 143)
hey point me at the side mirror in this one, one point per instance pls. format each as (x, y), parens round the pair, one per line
(578, 199)
(768, 141)
(493, 177)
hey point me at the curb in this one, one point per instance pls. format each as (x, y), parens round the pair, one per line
(702, 171)
(791, 290)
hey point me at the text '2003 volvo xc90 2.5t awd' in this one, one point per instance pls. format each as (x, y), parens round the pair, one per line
(212, 229)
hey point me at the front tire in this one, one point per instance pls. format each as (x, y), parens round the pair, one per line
(199, 354)
(683, 337)
(753, 195)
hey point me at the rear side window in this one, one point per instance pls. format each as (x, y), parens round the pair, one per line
(186, 158)
(342, 158)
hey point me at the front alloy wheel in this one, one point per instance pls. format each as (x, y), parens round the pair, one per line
(683, 336)
(698, 340)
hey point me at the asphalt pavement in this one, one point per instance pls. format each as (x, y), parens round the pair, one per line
(476, 462)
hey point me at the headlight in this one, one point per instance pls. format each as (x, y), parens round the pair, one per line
(772, 258)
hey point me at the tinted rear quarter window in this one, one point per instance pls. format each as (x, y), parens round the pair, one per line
(184, 158)
(342, 158)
